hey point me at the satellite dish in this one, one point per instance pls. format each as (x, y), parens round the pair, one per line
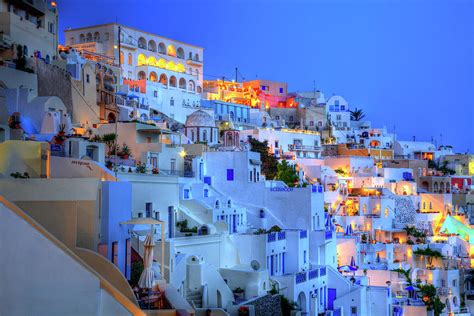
(255, 265)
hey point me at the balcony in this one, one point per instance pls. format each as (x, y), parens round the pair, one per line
(313, 274)
(194, 62)
(178, 173)
(293, 147)
(300, 277)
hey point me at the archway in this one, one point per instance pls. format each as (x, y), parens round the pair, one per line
(111, 117)
(302, 302)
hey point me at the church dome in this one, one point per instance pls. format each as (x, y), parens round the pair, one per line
(200, 118)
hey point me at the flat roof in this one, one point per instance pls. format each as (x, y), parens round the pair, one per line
(132, 28)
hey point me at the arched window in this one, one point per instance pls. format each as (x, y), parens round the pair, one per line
(161, 63)
(196, 57)
(141, 60)
(217, 204)
(180, 53)
(96, 37)
(190, 55)
(180, 68)
(142, 43)
(171, 66)
(151, 61)
(153, 76)
(435, 187)
(162, 48)
(199, 89)
(229, 203)
(192, 135)
(82, 38)
(130, 59)
(89, 37)
(122, 58)
(204, 136)
(141, 75)
(164, 80)
(152, 46)
(197, 72)
(173, 81)
(182, 83)
(171, 51)
(190, 70)
(191, 85)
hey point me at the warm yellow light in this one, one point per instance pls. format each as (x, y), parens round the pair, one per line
(54, 4)
(182, 153)
(115, 46)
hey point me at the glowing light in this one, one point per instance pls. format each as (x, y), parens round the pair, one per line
(54, 4)
(182, 153)
(171, 66)
(141, 60)
(115, 46)
(151, 61)
(171, 51)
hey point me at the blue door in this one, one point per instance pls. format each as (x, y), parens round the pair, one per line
(331, 298)
(234, 224)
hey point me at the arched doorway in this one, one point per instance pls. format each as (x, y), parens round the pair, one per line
(302, 302)
(111, 117)
(219, 299)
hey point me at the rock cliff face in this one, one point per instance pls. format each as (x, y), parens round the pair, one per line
(54, 81)
(404, 210)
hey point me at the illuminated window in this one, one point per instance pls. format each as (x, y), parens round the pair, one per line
(130, 59)
(161, 63)
(171, 66)
(173, 81)
(122, 58)
(153, 76)
(386, 212)
(180, 68)
(171, 51)
(141, 75)
(151, 61)
(164, 80)
(141, 60)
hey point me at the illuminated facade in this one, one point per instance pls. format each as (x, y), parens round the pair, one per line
(166, 74)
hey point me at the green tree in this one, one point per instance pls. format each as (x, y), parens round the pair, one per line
(357, 114)
(287, 174)
(406, 275)
(431, 300)
(269, 162)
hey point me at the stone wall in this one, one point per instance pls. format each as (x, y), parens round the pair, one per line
(268, 305)
(54, 81)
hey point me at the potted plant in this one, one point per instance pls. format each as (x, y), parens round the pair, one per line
(125, 152)
(239, 293)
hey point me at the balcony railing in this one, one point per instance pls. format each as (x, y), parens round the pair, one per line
(281, 235)
(293, 147)
(300, 277)
(271, 237)
(179, 173)
(313, 274)
(322, 271)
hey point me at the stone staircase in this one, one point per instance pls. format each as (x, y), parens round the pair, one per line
(194, 298)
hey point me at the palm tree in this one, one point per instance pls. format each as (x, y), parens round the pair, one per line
(357, 114)
(406, 274)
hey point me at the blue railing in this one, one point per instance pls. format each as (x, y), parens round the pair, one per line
(300, 277)
(271, 237)
(323, 271)
(313, 274)
(281, 235)
(303, 234)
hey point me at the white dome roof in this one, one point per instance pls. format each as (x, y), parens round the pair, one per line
(200, 118)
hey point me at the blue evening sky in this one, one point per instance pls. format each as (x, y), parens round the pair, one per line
(408, 63)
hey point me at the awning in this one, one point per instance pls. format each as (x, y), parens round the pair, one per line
(255, 162)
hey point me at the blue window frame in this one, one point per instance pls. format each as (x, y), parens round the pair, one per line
(230, 174)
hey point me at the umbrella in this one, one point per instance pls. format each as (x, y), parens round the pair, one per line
(411, 288)
(148, 275)
(353, 263)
